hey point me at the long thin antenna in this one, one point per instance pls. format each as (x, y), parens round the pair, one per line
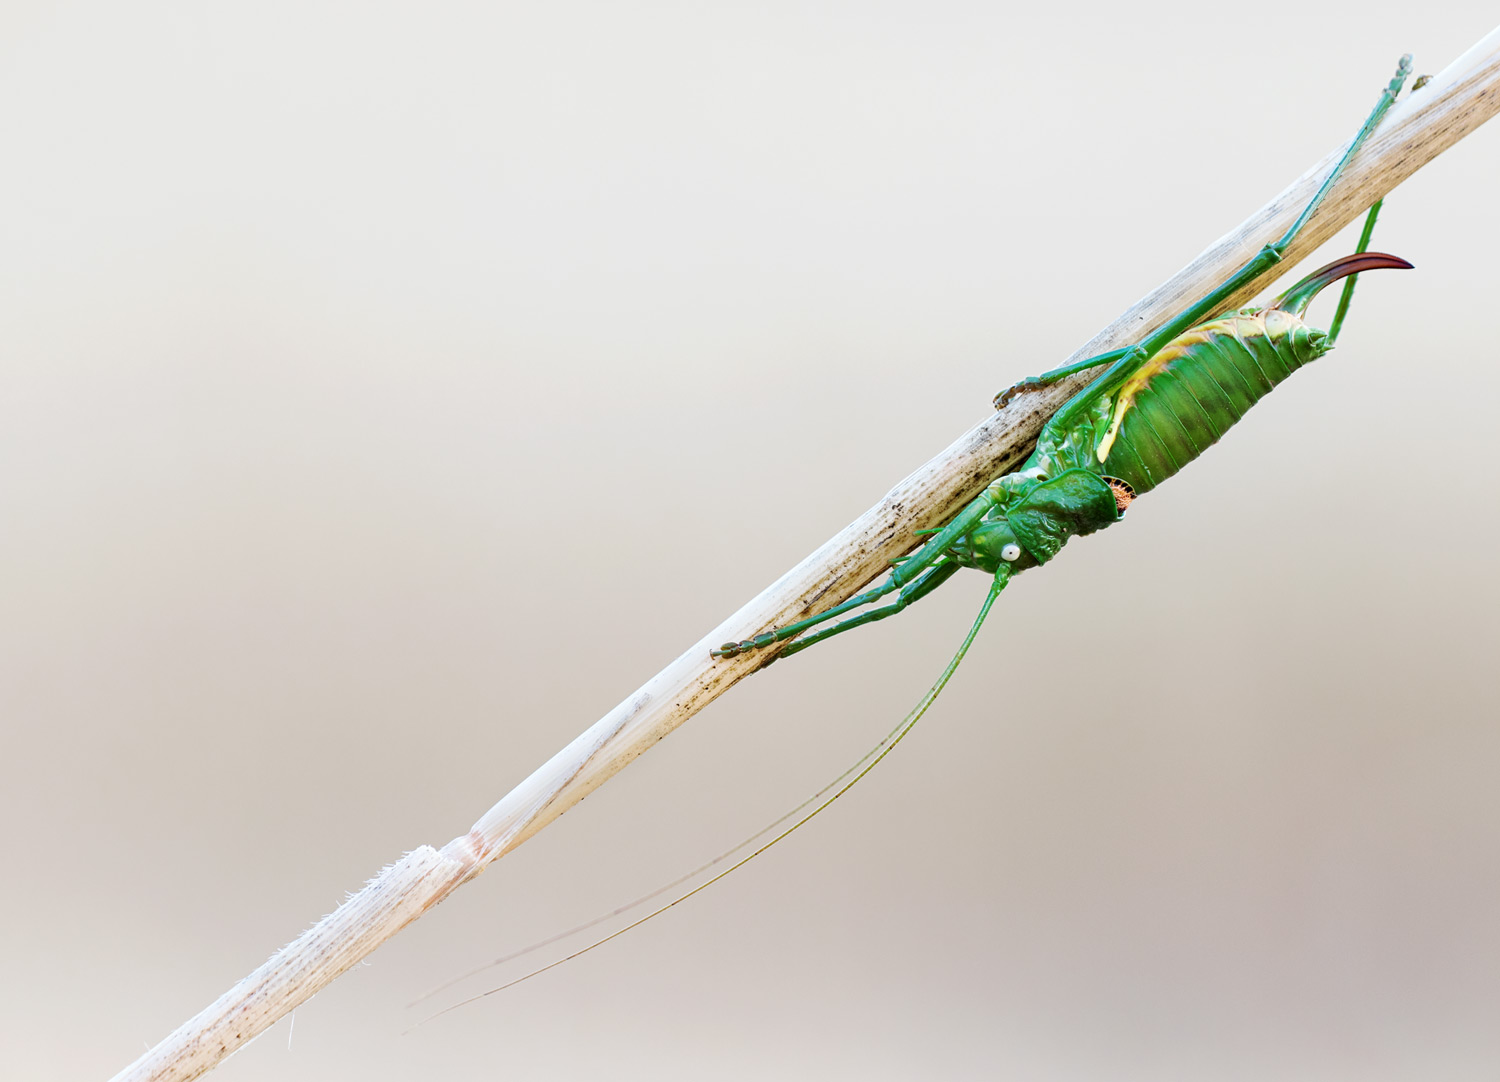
(626, 907)
(883, 749)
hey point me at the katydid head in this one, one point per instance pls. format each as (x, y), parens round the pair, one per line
(1041, 513)
(993, 544)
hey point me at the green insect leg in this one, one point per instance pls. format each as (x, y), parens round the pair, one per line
(1348, 294)
(915, 590)
(781, 634)
(1046, 379)
(906, 571)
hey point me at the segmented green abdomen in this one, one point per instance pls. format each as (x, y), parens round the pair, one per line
(1197, 387)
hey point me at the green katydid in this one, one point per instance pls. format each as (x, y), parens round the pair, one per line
(1156, 406)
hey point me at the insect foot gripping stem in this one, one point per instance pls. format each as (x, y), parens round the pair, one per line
(789, 631)
(734, 649)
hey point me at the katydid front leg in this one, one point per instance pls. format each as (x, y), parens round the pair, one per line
(904, 572)
(929, 581)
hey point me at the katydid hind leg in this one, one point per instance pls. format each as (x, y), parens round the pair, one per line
(1214, 300)
(1387, 99)
(1347, 294)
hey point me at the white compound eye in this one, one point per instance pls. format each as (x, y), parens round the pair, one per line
(1036, 474)
(1011, 553)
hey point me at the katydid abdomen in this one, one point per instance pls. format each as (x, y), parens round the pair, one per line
(1181, 401)
(1195, 389)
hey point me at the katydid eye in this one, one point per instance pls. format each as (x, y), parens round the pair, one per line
(1011, 553)
(1036, 474)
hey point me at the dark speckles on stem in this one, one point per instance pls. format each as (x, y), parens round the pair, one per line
(819, 592)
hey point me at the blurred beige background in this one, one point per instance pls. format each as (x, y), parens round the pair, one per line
(390, 389)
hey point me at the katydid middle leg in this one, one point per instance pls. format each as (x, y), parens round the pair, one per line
(1046, 379)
